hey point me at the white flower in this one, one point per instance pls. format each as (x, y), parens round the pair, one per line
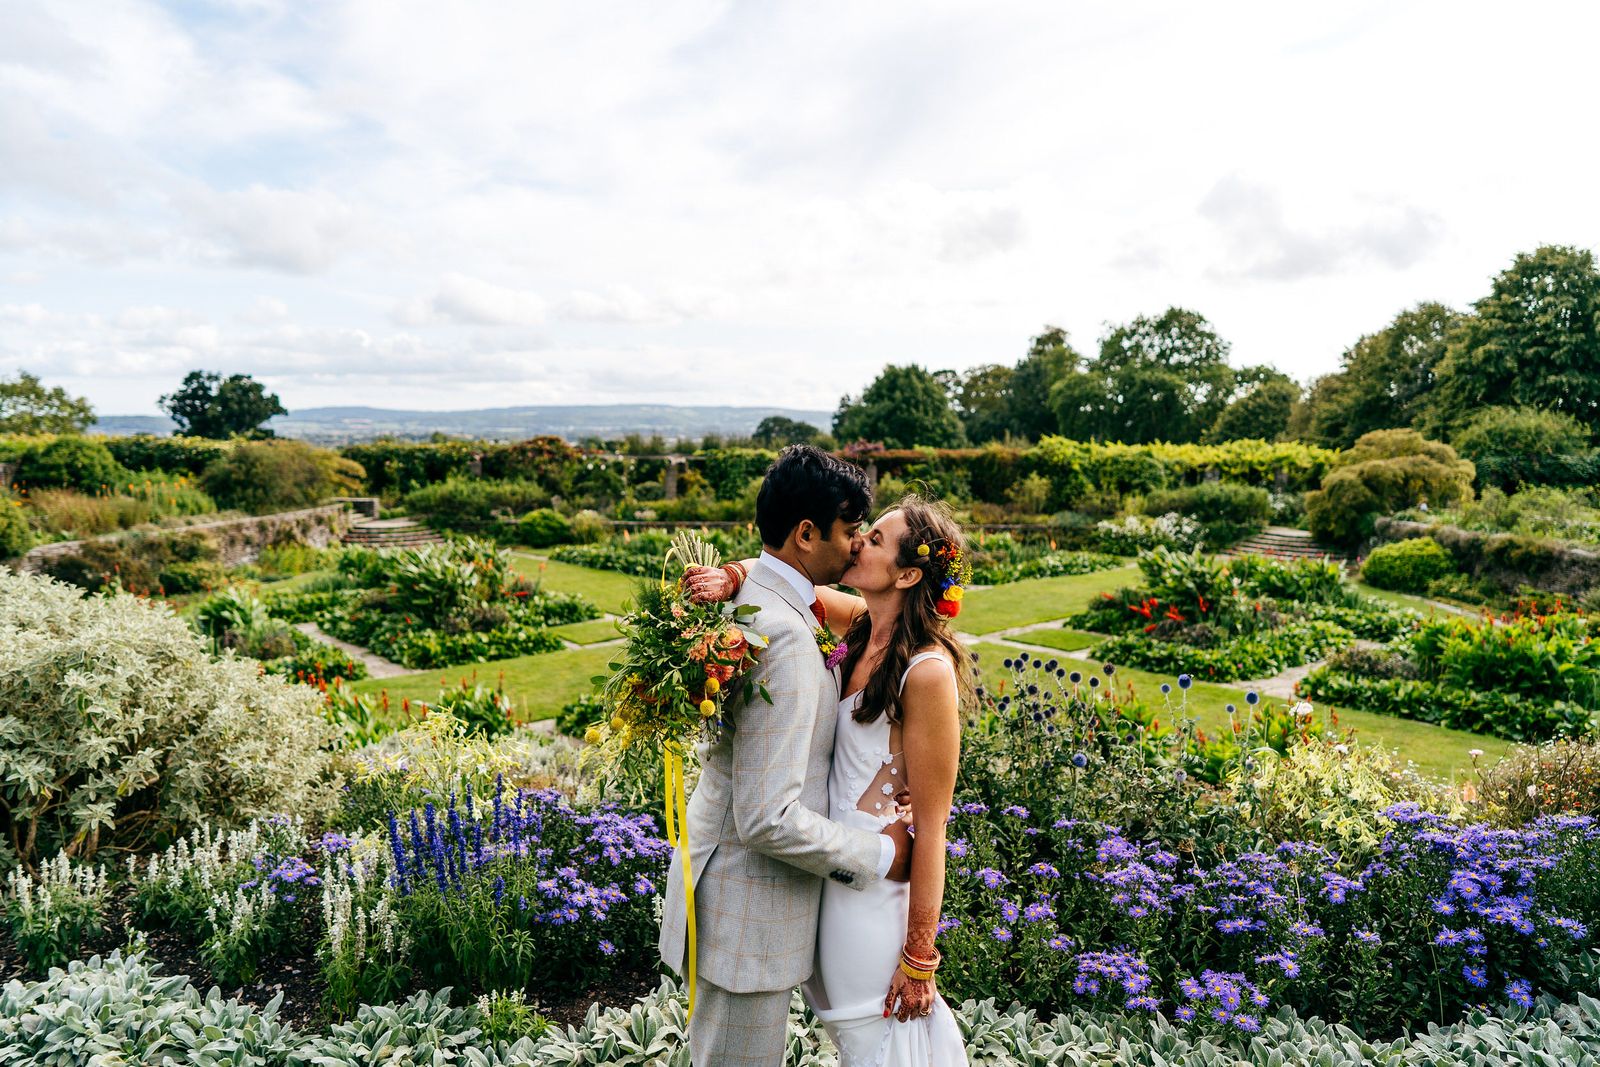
(1533, 792)
(1301, 710)
(1343, 750)
(1475, 753)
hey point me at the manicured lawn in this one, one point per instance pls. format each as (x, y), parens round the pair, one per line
(538, 685)
(588, 633)
(1435, 750)
(1023, 603)
(1065, 640)
(1404, 600)
(609, 590)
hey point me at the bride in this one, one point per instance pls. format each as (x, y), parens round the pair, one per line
(905, 674)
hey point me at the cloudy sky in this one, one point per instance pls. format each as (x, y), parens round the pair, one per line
(459, 205)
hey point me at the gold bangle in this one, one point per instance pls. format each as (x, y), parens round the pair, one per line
(911, 972)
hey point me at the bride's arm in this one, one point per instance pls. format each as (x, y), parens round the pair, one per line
(931, 732)
(842, 608)
(709, 585)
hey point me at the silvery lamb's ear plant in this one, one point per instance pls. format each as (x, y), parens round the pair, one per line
(51, 913)
(119, 1010)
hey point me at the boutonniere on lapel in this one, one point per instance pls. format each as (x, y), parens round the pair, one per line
(833, 649)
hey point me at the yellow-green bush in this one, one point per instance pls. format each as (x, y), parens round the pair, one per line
(1408, 566)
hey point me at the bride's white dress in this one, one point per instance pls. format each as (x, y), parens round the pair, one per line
(860, 932)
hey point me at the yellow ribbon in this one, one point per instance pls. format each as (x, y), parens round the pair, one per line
(678, 838)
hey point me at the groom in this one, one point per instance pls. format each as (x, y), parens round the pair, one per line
(759, 843)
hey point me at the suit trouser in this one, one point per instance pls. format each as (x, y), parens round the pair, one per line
(738, 1029)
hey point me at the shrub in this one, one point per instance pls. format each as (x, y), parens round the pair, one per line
(16, 536)
(1231, 659)
(1385, 471)
(1508, 715)
(277, 475)
(192, 577)
(170, 455)
(1557, 777)
(176, 737)
(465, 503)
(589, 527)
(543, 527)
(1408, 566)
(1228, 512)
(315, 663)
(1512, 446)
(51, 914)
(578, 715)
(134, 561)
(70, 462)
(1134, 534)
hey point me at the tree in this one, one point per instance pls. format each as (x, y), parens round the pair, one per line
(1155, 379)
(1512, 447)
(1050, 358)
(71, 462)
(1385, 379)
(905, 407)
(1261, 413)
(983, 400)
(1383, 472)
(1534, 341)
(273, 475)
(778, 431)
(27, 407)
(208, 405)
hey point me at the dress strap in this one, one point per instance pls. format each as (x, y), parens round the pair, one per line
(918, 658)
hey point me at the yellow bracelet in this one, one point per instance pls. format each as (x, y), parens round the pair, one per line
(911, 972)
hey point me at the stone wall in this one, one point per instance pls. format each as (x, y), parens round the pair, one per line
(1509, 560)
(237, 540)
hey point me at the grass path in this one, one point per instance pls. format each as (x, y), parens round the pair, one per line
(1035, 600)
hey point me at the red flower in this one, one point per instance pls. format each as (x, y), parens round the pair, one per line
(948, 608)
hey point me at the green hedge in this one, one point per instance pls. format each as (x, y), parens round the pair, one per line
(1407, 566)
(123, 1010)
(1481, 711)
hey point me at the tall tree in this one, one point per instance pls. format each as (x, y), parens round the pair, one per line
(777, 431)
(1263, 402)
(209, 405)
(1385, 378)
(983, 402)
(905, 407)
(1534, 341)
(1050, 358)
(1163, 378)
(26, 406)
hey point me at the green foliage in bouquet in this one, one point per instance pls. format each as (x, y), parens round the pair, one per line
(678, 665)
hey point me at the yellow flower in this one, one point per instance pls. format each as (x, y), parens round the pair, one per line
(955, 593)
(922, 550)
(618, 722)
(592, 735)
(713, 686)
(708, 708)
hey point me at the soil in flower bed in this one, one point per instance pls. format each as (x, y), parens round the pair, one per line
(293, 975)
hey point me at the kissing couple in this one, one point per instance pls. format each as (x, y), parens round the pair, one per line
(799, 829)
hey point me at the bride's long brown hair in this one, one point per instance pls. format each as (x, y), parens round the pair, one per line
(918, 624)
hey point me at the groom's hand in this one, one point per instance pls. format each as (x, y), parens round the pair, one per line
(899, 832)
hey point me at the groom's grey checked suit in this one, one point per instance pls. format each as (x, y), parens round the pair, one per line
(759, 843)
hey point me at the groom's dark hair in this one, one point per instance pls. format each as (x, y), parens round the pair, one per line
(805, 482)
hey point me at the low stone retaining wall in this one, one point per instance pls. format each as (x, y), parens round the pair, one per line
(1511, 560)
(237, 540)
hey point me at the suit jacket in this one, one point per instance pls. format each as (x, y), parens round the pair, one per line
(759, 843)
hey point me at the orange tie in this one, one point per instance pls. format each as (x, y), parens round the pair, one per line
(820, 612)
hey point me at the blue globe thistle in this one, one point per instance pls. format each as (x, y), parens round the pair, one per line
(1184, 681)
(1252, 698)
(1079, 760)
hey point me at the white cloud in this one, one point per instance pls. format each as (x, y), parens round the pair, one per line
(473, 301)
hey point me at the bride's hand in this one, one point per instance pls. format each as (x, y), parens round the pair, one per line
(914, 994)
(707, 585)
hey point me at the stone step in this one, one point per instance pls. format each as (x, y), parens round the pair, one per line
(391, 533)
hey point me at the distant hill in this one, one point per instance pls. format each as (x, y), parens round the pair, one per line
(344, 425)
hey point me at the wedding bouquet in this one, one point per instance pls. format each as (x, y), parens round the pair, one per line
(678, 665)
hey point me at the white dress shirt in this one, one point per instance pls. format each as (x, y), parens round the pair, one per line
(808, 594)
